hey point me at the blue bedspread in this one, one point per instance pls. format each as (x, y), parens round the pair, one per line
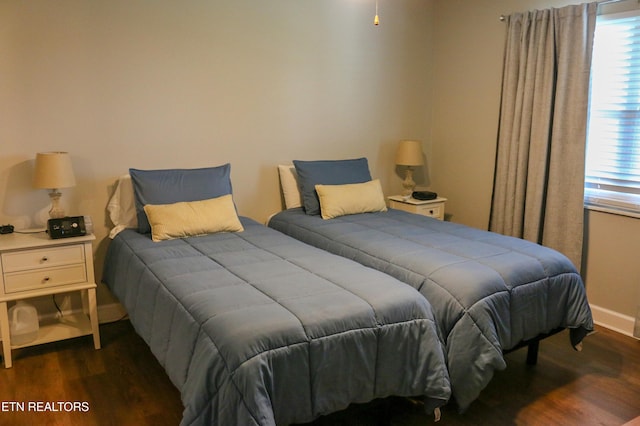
(256, 328)
(489, 292)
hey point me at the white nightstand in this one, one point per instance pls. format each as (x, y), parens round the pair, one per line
(432, 208)
(33, 265)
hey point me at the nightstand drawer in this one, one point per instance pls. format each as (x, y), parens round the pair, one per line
(426, 210)
(43, 278)
(43, 258)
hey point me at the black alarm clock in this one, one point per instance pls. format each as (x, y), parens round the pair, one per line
(424, 195)
(64, 227)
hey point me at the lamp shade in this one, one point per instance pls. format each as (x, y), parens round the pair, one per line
(409, 153)
(53, 170)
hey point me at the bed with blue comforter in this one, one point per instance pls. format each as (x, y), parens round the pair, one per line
(256, 328)
(489, 292)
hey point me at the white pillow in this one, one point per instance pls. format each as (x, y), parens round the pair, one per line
(289, 185)
(352, 198)
(191, 218)
(122, 206)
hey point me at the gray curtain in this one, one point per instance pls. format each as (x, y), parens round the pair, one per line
(539, 176)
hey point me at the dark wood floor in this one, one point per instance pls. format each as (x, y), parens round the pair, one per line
(122, 384)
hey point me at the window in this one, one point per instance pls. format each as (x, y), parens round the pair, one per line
(612, 178)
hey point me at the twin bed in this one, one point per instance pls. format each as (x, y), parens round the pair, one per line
(490, 293)
(256, 327)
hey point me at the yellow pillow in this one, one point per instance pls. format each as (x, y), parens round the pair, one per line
(352, 198)
(186, 219)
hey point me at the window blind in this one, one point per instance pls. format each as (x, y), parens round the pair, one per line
(612, 176)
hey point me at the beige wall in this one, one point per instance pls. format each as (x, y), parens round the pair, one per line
(612, 268)
(468, 48)
(168, 83)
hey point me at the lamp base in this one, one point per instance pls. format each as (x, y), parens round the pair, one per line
(408, 184)
(57, 211)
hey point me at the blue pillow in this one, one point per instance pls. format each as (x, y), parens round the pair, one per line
(175, 185)
(327, 172)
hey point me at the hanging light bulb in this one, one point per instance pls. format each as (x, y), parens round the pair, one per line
(376, 20)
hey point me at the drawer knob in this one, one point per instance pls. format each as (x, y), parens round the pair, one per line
(44, 259)
(46, 279)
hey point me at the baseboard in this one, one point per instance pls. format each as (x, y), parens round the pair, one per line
(111, 312)
(106, 313)
(604, 317)
(613, 320)
(601, 316)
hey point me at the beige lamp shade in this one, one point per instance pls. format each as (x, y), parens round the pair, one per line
(409, 153)
(53, 170)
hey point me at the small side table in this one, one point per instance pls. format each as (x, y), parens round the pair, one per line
(432, 208)
(34, 265)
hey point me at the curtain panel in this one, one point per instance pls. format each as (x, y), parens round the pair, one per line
(540, 159)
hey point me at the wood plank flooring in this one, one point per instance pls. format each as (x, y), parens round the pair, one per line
(123, 384)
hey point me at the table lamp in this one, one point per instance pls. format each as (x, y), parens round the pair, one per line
(53, 170)
(409, 154)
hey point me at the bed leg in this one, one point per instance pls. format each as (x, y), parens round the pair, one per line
(532, 353)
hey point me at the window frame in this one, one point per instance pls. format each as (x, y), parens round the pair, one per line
(598, 195)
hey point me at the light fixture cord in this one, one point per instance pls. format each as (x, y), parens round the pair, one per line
(376, 20)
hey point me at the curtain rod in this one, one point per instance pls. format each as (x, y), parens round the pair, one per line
(600, 3)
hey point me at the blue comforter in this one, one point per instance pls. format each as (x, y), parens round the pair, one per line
(256, 328)
(489, 292)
